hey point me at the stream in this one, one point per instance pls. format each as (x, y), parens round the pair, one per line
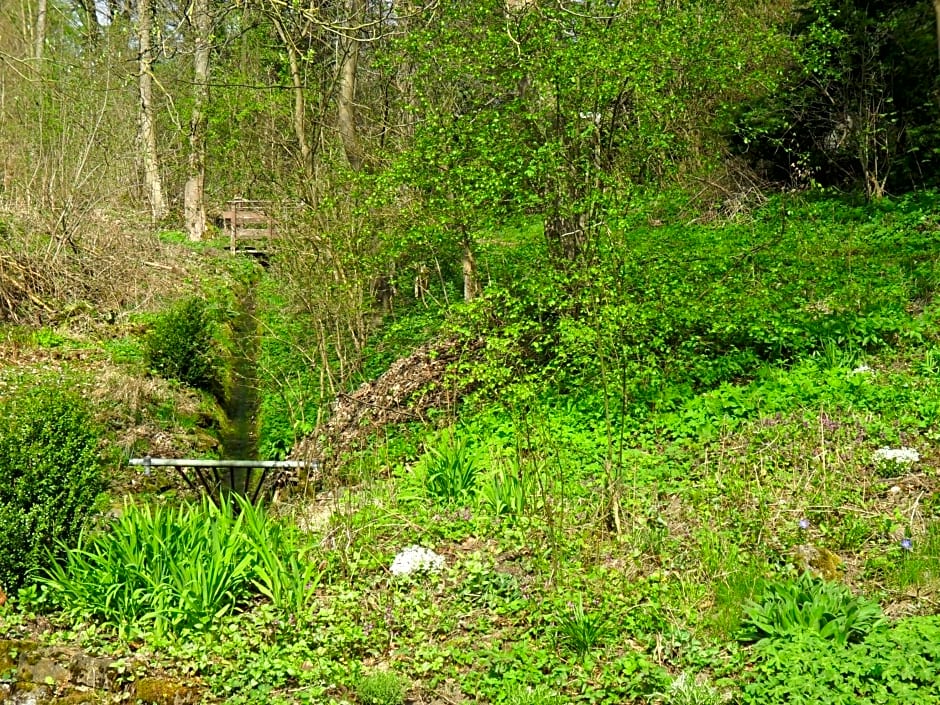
(239, 437)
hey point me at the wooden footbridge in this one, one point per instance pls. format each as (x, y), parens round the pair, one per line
(249, 222)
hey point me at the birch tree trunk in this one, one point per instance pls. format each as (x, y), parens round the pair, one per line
(471, 284)
(346, 96)
(194, 191)
(147, 130)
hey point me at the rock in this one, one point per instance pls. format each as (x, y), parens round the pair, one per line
(29, 694)
(92, 672)
(817, 560)
(46, 671)
(84, 697)
(165, 691)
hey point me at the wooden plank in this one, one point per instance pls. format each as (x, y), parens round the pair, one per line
(247, 220)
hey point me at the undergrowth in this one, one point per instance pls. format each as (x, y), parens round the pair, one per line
(697, 466)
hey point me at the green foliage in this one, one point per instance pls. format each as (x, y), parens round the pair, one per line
(729, 303)
(291, 383)
(485, 587)
(807, 605)
(687, 689)
(381, 688)
(182, 345)
(509, 492)
(582, 631)
(527, 695)
(168, 570)
(449, 468)
(50, 477)
(896, 666)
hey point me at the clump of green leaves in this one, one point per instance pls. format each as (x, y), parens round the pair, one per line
(508, 492)
(171, 569)
(450, 468)
(891, 666)
(524, 695)
(809, 605)
(50, 477)
(181, 345)
(582, 631)
(688, 689)
(381, 688)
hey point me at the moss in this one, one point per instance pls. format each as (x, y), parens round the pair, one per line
(94, 697)
(818, 560)
(12, 651)
(165, 691)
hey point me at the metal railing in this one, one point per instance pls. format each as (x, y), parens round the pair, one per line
(247, 478)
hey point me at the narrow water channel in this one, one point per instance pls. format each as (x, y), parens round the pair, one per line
(239, 438)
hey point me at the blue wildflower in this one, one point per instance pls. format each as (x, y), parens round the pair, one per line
(907, 544)
(804, 524)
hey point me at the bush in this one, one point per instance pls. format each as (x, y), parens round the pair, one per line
(50, 477)
(182, 346)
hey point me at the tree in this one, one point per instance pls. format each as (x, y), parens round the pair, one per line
(194, 192)
(147, 126)
(346, 91)
(39, 34)
(857, 106)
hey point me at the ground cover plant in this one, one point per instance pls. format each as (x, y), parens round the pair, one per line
(698, 467)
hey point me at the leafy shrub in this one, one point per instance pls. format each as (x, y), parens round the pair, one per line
(50, 477)
(896, 666)
(807, 605)
(381, 688)
(171, 569)
(182, 346)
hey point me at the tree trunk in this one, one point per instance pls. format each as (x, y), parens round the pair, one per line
(147, 128)
(39, 37)
(471, 285)
(346, 105)
(936, 10)
(299, 117)
(194, 192)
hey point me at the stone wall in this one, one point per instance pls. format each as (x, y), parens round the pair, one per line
(33, 674)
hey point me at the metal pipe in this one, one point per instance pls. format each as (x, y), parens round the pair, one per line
(205, 463)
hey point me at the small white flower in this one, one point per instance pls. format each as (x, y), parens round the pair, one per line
(861, 369)
(898, 456)
(416, 558)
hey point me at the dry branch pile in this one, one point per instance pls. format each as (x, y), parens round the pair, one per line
(21, 284)
(411, 387)
(107, 265)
